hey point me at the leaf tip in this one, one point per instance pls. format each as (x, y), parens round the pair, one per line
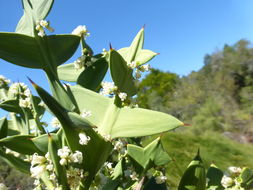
(143, 27)
(186, 124)
(110, 45)
(33, 83)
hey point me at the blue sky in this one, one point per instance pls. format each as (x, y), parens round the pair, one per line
(182, 31)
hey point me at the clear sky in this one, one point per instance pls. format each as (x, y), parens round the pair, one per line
(182, 31)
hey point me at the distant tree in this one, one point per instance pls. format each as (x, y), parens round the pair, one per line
(156, 89)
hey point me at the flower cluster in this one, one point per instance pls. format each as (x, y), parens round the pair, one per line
(81, 31)
(41, 164)
(21, 90)
(41, 25)
(231, 179)
(4, 82)
(108, 88)
(68, 157)
(138, 69)
(159, 177)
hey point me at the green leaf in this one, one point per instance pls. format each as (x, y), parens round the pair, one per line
(135, 51)
(68, 72)
(137, 122)
(194, 177)
(118, 170)
(3, 127)
(151, 154)
(11, 105)
(39, 54)
(41, 142)
(111, 184)
(214, 176)
(144, 56)
(62, 47)
(15, 162)
(137, 45)
(62, 114)
(20, 49)
(34, 10)
(152, 185)
(246, 178)
(121, 74)
(93, 75)
(20, 143)
(122, 122)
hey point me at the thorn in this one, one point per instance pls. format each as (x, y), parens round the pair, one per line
(187, 124)
(143, 27)
(111, 46)
(157, 53)
(33, 83)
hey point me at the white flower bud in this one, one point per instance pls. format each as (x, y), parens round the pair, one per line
(63, 162)
(81, 30)
(83, 139)
(122, 96)
(36, 159)
(226, 181)
(77, 157)
(63, 152)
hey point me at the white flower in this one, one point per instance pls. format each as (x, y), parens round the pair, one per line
(81, 30)
(160, 179)
(2, 186)
(36, 182)
(25, 103)
(122, 96)
(50, 167)
(55, 123)
(41, 33)
(83, 139)
(132, 64)
(43, 23)
(108, 165)
(134, 176)
(226, 181)
(118, 145)
(108, 88)
(77, 157)
(9, 151)
(37, 171)
(52, 176)
(17, 88)
(86, 114)
(40, 27)
(36, 159)
(63, 161)
(27, 93)
(3, 81)
(63, 152)
(144, 68)
(107, 138)
(234, 170)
